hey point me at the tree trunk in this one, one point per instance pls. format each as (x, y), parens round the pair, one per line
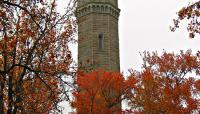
(1, 98)
(18, 103)
(10, 95)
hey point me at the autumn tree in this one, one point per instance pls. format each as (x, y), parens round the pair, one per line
(101, 92)
(167, 84)
(190, 13)
(34, 55)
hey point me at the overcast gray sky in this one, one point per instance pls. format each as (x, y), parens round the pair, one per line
(144, 25)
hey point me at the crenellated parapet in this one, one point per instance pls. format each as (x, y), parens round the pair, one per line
(103, 8)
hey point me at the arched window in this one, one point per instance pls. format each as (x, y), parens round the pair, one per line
(101, 38)
(98, 8)
(89, 8)
(106, 8)
(102, 8)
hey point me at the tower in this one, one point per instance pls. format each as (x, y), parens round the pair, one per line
(98, 40)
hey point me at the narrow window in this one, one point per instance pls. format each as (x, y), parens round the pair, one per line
(101, 41)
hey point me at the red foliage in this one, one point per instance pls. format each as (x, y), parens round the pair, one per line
(101, 92)
(164, 87)
(34, 55)
(190, 13)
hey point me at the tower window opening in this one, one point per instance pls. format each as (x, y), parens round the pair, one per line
(101, 38)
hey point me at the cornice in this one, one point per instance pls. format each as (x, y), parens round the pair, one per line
(97, 7)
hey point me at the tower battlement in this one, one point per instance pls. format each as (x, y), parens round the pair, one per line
(84, 2)
(97, 8)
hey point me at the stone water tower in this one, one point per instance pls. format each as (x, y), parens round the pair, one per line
(98, 40)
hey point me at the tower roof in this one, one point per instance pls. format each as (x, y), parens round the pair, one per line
(83, 2)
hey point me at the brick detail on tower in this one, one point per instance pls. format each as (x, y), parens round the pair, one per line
(98, 40)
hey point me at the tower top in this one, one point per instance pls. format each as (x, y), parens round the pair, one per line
(84, 2)
(98, 39)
